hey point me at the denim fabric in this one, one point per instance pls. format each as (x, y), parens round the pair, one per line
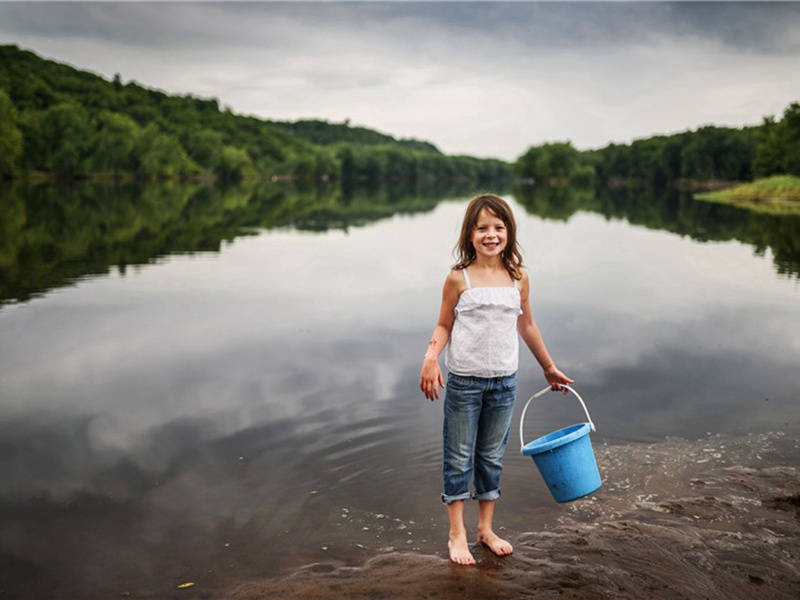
(477, 419)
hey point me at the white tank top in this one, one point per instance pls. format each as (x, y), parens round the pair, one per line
(484, 340)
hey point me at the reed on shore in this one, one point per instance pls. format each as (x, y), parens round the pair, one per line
(779, 194)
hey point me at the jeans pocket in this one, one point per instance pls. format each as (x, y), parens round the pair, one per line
(458, 383)
(510, 383)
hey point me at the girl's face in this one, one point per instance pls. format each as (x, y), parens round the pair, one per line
(490, 235)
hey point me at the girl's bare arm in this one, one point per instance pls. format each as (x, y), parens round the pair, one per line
(431, 378)
(530, 334)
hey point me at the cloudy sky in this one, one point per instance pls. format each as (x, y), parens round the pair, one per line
(487, 79)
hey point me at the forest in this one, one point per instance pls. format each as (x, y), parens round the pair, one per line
(57, 121)
(707, 154)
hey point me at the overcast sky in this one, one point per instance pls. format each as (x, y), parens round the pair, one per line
(485, 79)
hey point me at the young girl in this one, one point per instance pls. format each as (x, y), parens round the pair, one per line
(484, 304)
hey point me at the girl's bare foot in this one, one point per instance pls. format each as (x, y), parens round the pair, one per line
(495, 543)
(459, 549)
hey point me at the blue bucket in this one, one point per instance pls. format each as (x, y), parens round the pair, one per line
(565, 457)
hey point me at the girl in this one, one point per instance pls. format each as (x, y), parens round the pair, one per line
(484, 304)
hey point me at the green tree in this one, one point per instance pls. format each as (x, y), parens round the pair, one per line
(769, 156)
(778, 144)
(234, 164)
(161, 155)
(791, 138)
(204, 146)
(116, 140)
(10, 136)
(58, 139)
(548, 162)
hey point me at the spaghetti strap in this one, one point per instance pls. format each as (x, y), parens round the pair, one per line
(466, 277)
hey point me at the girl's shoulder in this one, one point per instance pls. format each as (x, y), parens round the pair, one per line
(524, 281)
(456, 282)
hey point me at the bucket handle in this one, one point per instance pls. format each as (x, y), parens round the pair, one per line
(544, 391)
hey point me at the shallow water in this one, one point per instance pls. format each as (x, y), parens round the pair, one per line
(217, 409)
(677, 519)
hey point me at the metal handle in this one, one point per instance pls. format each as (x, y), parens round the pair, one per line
(544, 391)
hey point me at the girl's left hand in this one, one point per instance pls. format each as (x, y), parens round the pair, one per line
(557, 379)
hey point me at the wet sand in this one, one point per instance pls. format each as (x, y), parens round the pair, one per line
(718, 519)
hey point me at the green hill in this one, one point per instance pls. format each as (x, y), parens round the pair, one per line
(59, 121)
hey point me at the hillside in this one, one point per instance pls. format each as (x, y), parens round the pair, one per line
(60, 121)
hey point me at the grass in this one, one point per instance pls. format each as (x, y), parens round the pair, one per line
(778, 195)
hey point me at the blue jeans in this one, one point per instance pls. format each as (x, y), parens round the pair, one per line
(477, 419)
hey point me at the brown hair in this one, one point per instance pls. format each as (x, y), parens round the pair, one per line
(465, 251)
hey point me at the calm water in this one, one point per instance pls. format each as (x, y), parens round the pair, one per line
(207, 387)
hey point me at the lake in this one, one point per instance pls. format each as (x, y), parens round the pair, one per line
(219, 387)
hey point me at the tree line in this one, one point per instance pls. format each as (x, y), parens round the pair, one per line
(60, 121)
(706, 154)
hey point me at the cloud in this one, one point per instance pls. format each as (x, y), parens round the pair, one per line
(487, 79)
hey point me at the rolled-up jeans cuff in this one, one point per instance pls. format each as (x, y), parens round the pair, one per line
(491, 495)
(450, 499)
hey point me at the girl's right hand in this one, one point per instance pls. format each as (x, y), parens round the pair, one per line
(431, 378)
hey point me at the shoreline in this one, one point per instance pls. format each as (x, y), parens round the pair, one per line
(730, 529)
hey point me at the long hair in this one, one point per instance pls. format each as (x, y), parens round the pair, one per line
(465, 251)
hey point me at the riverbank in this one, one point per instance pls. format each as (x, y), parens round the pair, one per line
(716, 519)
(774, 195)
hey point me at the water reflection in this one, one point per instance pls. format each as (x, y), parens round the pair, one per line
(55, 234)
(202, 405)
(675, 211)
